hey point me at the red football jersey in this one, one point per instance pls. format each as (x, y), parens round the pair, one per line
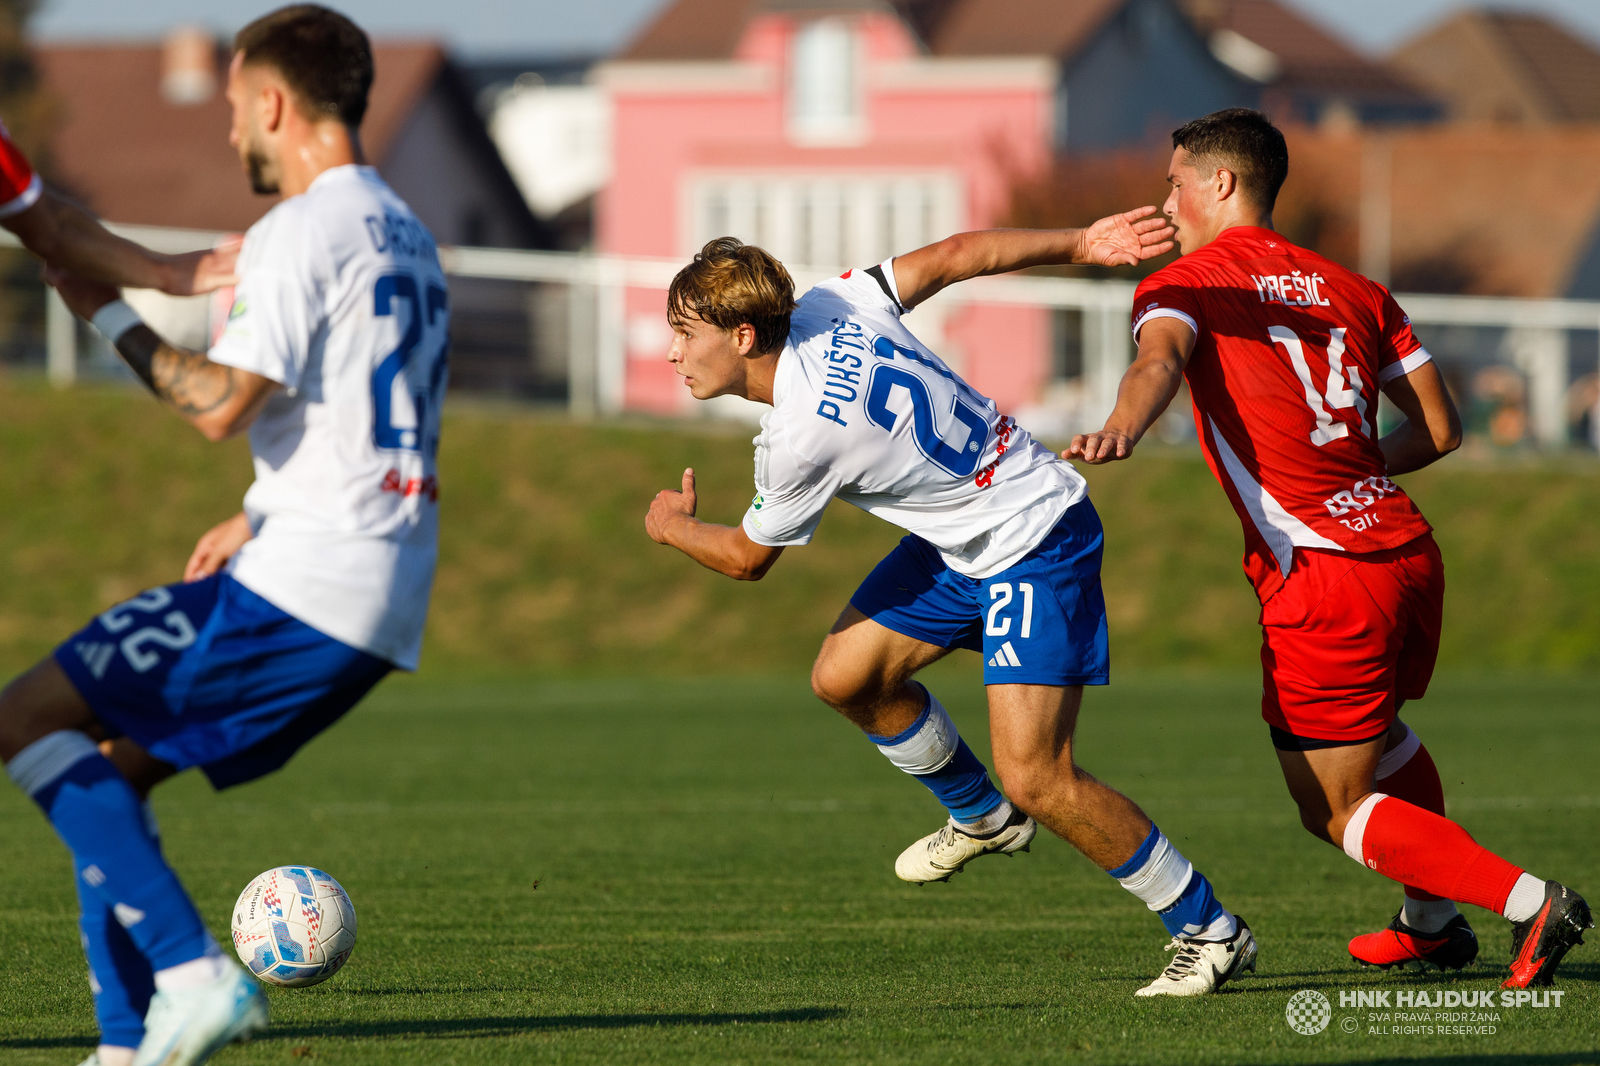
(19, 185)
(1290, 352)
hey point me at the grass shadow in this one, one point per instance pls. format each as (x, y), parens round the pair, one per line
(449, 1028)
(1536, 1058)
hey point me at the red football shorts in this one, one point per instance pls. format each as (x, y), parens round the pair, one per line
(1347, 635)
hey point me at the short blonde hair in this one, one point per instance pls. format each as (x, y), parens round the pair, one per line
(730, 283)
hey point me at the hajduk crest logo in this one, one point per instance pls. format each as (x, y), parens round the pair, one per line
(1308, 1012)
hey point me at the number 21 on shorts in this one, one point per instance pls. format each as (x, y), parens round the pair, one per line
(1000, 595)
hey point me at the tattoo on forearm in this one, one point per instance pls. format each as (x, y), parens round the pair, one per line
(190, 382)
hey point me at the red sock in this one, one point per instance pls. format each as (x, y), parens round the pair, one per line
(1415, 780)
(1405, 843)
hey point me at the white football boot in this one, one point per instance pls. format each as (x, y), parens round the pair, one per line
(939, 855)
(185, 1028)
(1203, 966)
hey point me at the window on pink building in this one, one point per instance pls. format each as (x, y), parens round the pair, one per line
(825, 84)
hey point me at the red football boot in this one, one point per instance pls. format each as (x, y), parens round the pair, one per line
(1539, 944)
(1454, 946)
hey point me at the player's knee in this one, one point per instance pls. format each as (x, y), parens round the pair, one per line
(1030, 780)
(841, 688)
(1319, 821)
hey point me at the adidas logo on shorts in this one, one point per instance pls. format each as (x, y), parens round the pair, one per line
(1006, 656)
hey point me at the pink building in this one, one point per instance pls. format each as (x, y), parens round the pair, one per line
(824, 132)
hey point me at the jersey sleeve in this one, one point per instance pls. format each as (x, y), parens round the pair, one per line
(277, 309)
(1166, 294)
(791, 495)
(20, 187)
(873, 287)
(1402, 352)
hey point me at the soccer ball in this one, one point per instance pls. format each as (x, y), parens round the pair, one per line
(294, 926)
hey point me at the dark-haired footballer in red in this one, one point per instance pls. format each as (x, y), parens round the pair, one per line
(1285, 353)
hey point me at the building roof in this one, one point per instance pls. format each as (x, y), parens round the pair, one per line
(134, 157)
(1018, 27)
(1506, 66)
(710, 29)
(1309, 57)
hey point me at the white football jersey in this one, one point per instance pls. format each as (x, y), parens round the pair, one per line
(863, 411)
(341, 300)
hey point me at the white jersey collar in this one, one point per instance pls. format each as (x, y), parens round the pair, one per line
(341, 173)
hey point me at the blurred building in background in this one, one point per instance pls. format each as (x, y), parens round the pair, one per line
(143, 138)
(552, 125)
(836, 132)
(831, 137)
(1506, 67)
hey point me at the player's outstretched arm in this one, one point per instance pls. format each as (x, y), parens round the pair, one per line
(220, 401)
(1165, 345)
(1432, 428)
(1116, 240)
(725, 549)
(67, 237)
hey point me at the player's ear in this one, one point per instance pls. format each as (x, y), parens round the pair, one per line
(1227, 183)
(273, 105)
(745, 337)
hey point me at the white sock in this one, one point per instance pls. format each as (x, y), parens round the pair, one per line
(115, 1055)
(1431, 915)
(1221, 928)
(1527, 896)
(989, 823)
(194, 973)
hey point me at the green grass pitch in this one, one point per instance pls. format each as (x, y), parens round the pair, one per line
(701, 871)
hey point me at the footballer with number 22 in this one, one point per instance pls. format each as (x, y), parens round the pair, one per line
(1003, 555)
(1285, 353)
(333, 359)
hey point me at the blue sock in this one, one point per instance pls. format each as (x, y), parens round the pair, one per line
(119, 977)
(933, 752)
(1159, 874)
(98, 816)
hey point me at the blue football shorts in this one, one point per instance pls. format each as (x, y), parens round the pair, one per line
(209, 674)
(1041, 621)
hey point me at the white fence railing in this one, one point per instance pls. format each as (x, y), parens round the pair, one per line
(1536, 340)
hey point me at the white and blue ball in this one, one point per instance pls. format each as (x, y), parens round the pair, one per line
(294, 926)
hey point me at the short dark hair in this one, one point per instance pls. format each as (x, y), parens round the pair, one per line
(325, 58)
(730, 283)
(1243, 141)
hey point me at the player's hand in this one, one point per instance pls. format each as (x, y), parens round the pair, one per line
(193, 273)
(1106, 446)
(82, 297)
(669, 507)
(219, 544)
(1126, 239)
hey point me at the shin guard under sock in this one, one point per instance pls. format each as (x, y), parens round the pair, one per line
(1405, 843)
(98, 816)
(1407, 772)
(1179, 894)
(933, 752)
